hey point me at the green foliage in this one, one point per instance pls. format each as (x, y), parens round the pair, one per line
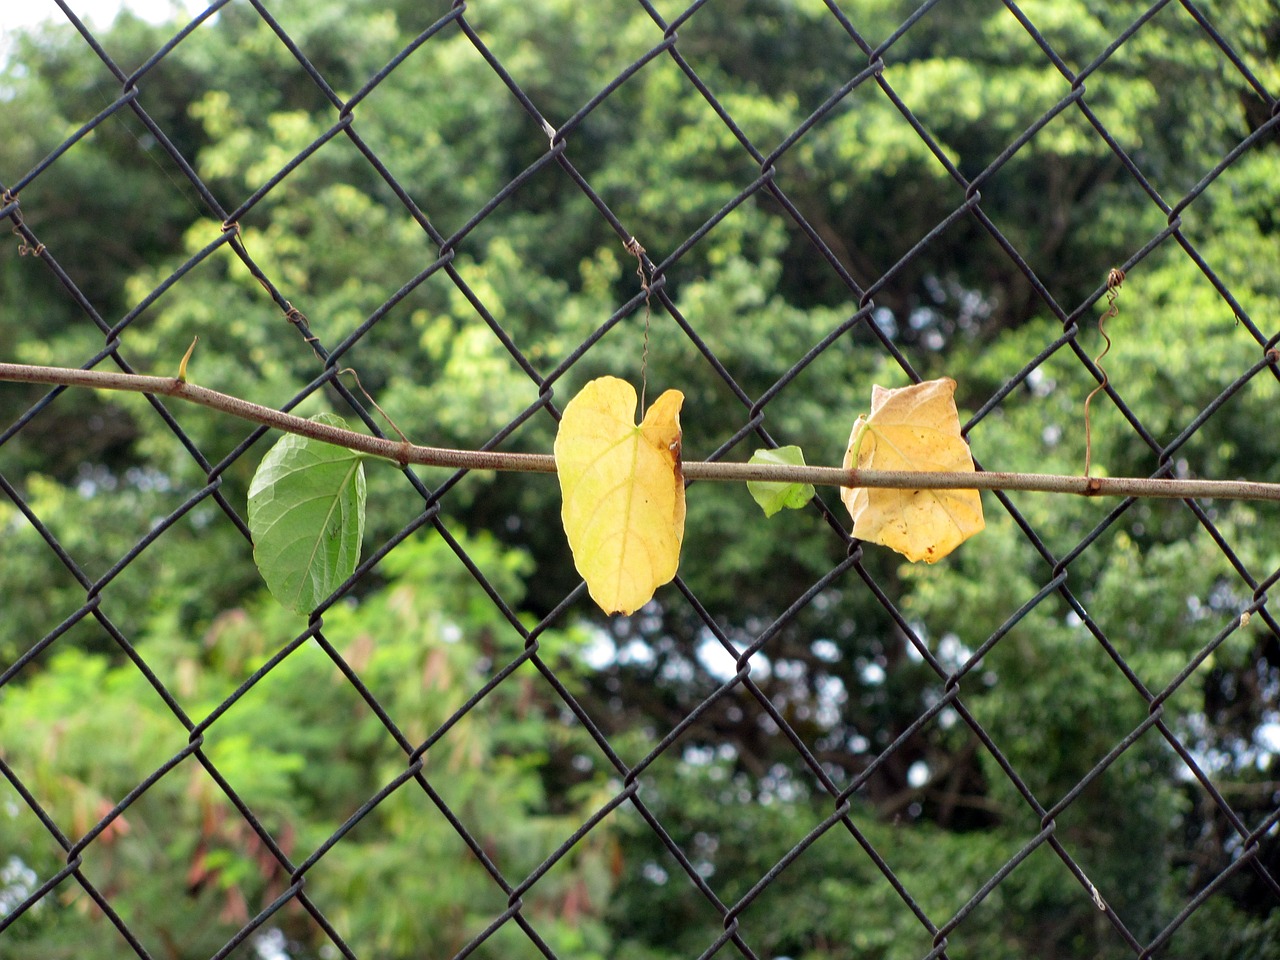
(305, 751)
(773, 497)
(306, 514)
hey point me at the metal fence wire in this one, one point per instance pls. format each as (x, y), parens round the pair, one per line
(1245, 840)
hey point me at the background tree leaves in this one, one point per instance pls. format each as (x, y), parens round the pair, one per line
(550, 272)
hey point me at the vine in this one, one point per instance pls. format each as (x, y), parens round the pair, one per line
(1115, 278)
(908, 481)
(404, 453)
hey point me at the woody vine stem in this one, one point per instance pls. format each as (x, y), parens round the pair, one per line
(405, 453)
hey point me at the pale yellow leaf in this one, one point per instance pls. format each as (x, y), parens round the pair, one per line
(912, 428)
(622, 492)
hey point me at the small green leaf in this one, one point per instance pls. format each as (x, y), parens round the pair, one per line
(772, 497)
(306, 515)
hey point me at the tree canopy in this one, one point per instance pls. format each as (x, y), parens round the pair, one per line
(448, 357)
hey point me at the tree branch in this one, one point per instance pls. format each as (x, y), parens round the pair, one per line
(408, 453)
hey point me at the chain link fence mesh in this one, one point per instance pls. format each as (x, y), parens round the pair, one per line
(325, 350)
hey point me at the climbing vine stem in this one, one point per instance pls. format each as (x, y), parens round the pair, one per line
(1115, 279)
(405, 453)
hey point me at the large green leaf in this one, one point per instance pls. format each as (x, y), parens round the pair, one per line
(772, 497)
(306, 514)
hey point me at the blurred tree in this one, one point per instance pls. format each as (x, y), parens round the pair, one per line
(549, 271)
(304, 752)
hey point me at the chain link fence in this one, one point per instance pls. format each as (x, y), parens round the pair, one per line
(1244, 835)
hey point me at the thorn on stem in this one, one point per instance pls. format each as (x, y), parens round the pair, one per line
(182, 365)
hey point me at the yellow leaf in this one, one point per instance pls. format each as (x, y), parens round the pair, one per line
(912, 428)
(622, 492)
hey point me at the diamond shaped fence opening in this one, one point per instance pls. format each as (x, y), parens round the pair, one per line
(439, 220)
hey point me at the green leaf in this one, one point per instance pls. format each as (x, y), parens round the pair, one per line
(306, 514)
(772, 497)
